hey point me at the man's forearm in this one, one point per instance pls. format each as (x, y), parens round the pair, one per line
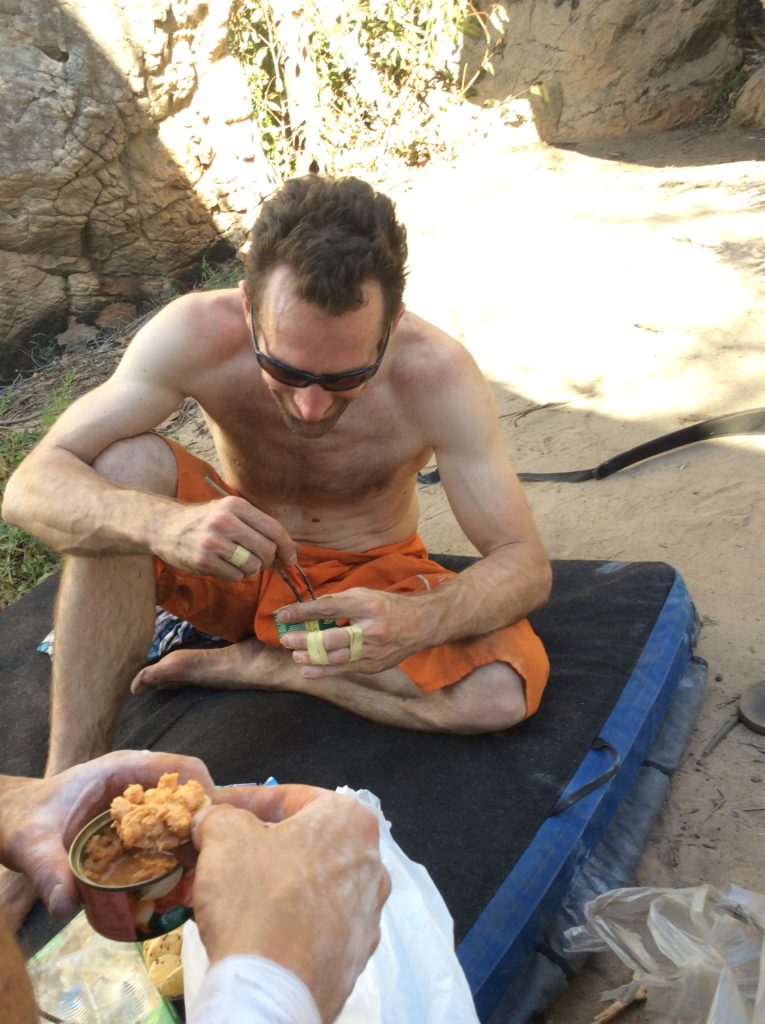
(68, 506)
(505, 586)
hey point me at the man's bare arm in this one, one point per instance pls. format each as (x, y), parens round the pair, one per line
(56, 495)
(513, 577)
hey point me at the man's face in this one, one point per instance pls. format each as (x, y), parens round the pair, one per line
(304, 338)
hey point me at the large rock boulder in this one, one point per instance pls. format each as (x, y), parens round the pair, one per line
(598, 69)
(750, 105)
(128, 151)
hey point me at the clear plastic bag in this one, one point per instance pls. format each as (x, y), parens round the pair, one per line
(700, 952)
(83, 978)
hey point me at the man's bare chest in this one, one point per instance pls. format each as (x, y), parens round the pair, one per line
(371, 451)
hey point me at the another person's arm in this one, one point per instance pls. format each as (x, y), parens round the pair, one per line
(289, 881)
(39, 818)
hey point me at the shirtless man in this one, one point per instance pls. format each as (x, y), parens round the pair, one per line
(324, 398)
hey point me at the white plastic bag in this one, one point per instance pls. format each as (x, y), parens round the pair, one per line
(414, 976)
(700, 952)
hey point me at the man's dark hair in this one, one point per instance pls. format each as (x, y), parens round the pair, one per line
(333, 234)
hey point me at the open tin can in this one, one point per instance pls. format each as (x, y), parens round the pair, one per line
(136, 912)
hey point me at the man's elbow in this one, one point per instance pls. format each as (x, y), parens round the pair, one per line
(13, 501)
(9, 509)
(541, 583)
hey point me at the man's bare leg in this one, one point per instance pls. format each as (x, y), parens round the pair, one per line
(104, 624)
(489, 699)
(104, 619)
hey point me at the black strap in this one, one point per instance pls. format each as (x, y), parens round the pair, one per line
(601, 780)
(750, 421)
(546, 950)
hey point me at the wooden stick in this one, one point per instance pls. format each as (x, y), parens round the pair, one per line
(613, 1011)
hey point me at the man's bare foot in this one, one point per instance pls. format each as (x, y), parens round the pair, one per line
(17, 897)
(248, 665)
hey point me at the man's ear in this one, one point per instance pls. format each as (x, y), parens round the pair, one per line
(397, 319)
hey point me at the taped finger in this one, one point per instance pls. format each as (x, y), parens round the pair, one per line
(317, 652)
(356, 638)
(238, 557)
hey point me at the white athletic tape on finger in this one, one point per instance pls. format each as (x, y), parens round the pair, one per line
(317, 652)
(357, 641)
(239, 556)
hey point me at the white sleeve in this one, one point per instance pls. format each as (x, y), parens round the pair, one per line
(252, 990)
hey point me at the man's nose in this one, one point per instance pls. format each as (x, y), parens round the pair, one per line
(313, 403)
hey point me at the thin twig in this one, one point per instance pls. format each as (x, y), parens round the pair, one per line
(49, 1016)
(718, 737)
(616, 1008)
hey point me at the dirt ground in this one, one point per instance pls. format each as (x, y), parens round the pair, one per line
(612, 294)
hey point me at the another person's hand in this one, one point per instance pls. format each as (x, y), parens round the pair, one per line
(292, 874)
(39, 818)
(389, 624)
(228, 538)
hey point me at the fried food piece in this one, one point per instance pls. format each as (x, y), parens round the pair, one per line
(159, 818)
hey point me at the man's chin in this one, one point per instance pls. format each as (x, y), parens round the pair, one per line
(312, 428)
(308, 430)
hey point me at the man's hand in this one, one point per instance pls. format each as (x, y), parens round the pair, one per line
(202, 539)
(390, 627)
(293, 874)
(39, 818)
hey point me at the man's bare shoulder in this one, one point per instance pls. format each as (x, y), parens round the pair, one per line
(426, 353)
(213, 320)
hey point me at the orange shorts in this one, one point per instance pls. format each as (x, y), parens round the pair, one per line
(238, 610)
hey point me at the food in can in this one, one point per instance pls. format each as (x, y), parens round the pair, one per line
(127, 863)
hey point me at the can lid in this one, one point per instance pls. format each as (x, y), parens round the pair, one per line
(77, 849)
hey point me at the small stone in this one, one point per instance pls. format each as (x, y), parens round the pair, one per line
(117, 315)
(718, 677)
(756, 778)
(76, 336)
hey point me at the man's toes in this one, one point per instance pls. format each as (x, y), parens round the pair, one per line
(153, 678)
(140, 683)
(178, 668)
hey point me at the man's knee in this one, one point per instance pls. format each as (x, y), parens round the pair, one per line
(143, 462)
(490, 699)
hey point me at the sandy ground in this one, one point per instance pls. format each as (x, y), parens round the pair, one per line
(611, 296)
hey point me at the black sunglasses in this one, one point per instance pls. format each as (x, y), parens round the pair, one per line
(293, 378)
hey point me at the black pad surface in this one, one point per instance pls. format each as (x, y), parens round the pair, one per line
(465, 807)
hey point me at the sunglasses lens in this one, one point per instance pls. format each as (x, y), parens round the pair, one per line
(282, 374)
(293, 379)
(350, 382)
